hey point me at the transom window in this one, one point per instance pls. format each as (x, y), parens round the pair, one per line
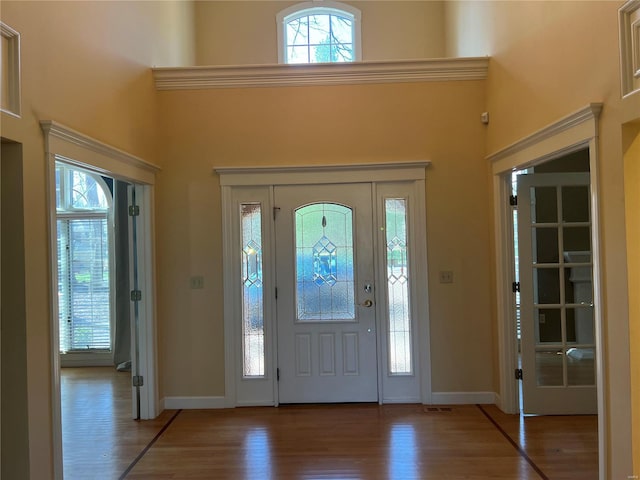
(308, 33)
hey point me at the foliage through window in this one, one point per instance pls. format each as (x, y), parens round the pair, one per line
(325, 34)
(84, 260)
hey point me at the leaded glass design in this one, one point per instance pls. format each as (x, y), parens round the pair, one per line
(324, 262)
(252, 294)
(398, 287)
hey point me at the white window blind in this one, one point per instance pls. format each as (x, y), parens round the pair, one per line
(83, 284)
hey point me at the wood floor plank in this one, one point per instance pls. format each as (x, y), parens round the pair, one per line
(564, 447)
(313, 442)
(99, 437)
(401, 442)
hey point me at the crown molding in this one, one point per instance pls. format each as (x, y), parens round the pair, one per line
(283, 75)
(312, 174)
(590, 112)
(57, 130)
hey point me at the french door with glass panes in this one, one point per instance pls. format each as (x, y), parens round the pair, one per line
(558, 345)
(325, 306)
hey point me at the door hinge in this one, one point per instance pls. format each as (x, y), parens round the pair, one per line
(275, 210)
(518, 373)
(276, 293)
(513, 200)
(136, 295)
(134, 210)
(138, 380)
(277, 374)
(515, 287)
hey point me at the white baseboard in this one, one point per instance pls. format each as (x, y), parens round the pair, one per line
(189, 403)
(392, 400)
(463, 398)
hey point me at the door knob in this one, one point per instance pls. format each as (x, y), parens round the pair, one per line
(367, 303)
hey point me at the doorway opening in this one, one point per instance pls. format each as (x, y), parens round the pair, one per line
(100, 233)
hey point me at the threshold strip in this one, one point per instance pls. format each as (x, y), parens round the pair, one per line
(149, 445)
(515, 445)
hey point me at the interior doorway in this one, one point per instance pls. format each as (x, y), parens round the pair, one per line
(82, 153)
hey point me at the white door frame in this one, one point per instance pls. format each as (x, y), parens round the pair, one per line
(574, 132)
(231, 178)
(74, 148)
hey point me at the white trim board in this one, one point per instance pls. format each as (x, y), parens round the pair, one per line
(463, 398)
(309, 174)
(72, 146)
(283, 75)
(189, 403)
(12, 77)
(576, 131)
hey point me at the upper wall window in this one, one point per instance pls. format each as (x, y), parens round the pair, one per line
(319, 32)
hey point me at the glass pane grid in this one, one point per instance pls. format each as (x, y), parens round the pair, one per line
(564, 351)
(319, 38)
(399, 321)
(252, 290)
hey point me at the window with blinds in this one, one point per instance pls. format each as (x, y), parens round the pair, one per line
(84, 260)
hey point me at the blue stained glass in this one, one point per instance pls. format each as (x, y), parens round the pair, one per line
(324, 263)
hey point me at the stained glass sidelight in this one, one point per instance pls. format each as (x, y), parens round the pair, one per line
(398, 287)
(324, 262)
(252, 295)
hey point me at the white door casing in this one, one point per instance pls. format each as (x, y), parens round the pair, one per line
(67, 145)
(257, 186)
(558, 342)
(325, 306)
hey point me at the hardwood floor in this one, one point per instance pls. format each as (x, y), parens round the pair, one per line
(361, 441)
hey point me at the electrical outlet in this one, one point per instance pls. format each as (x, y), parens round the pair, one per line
(446, 276)
(196, 282)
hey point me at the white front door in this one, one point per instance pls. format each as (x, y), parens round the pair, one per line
(557, 320)
(325, 294)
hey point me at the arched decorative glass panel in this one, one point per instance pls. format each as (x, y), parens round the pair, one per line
(79, 190)
(324, 263)
(319, 34)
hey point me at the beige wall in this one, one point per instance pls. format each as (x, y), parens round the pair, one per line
(86, 65)
(549, 59)
(631, 140)
(244, 33)
(323, 125)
